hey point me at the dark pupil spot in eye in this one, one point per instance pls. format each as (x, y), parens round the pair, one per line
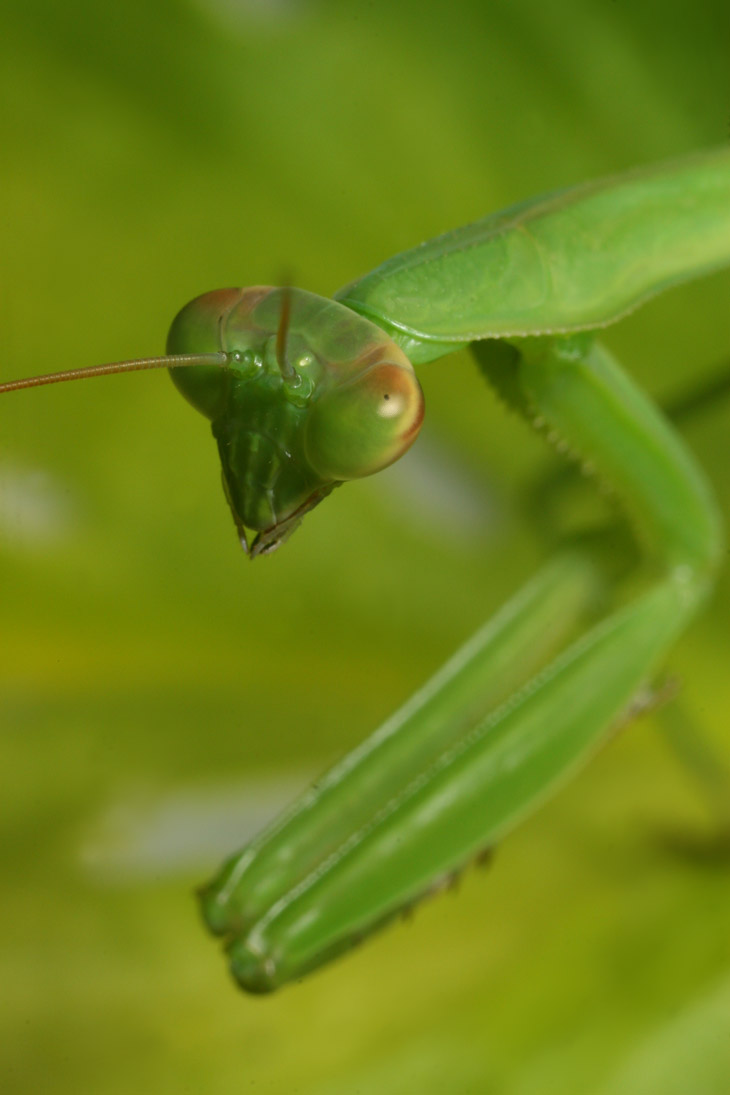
(386, 397)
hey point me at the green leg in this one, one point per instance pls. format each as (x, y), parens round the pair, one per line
(495, 662)
(432, 788)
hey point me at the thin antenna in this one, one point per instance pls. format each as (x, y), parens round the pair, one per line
(170, 361)
(282, 333)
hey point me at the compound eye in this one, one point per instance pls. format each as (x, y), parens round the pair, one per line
(358, 427)
(198, 328)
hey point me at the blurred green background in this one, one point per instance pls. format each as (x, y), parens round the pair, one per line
(160, 697)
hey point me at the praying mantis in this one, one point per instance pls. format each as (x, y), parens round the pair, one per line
(305, 393)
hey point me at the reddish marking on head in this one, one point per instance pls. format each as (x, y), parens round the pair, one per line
(411, 433)
(374, 354)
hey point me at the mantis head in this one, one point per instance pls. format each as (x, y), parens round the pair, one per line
(312, 395)
(302, 394)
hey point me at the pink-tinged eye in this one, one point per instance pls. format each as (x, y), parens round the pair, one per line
(360, 426)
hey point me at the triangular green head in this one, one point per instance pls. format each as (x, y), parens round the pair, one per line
(313, 395)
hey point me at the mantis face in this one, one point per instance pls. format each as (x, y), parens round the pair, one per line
(313, 395)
